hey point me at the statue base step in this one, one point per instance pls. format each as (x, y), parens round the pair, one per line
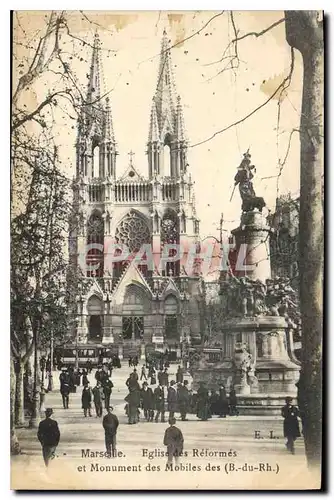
(263, 404)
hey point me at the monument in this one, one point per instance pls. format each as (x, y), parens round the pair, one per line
(255, 339)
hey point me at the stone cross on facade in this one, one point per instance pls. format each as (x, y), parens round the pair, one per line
(131, 154)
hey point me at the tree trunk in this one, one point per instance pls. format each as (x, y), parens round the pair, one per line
(14, 443)
(304, 31)
(19, 394)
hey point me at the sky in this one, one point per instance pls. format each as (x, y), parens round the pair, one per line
(213, 98)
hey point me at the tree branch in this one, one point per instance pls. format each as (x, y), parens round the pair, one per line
(259, 33)
(281, 86)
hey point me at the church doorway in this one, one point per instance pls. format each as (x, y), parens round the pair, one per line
(95, 312)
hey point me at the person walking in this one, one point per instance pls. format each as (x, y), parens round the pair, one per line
(172, 399)
(48, 435)
(174, 441)
(291, 430)
(65, 393)
(107, 389)
(143, 373)
(159, 403)
(86, 399)
(110, 424)
(98, 396)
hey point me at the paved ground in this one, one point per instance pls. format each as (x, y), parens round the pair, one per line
(220, 453)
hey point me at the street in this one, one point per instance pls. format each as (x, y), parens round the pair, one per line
(236, 452)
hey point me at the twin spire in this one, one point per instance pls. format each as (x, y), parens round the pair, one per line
(166, 120)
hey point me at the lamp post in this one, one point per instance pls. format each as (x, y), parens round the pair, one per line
(76, 324)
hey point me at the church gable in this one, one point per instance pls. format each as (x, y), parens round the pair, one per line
(131, 275)
(131, 175)
(170, 288)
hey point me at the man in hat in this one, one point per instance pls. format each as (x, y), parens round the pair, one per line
(173, 439)
(110, 423)
(291, 430)
(183, 399)
(48, 435)
(147, 400)
(172, 399)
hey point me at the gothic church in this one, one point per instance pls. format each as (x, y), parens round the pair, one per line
(134, 308)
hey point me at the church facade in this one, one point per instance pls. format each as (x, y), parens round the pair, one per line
(127, 305)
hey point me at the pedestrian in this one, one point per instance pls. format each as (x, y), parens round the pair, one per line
(135, 374)
(202, 402)
(107, 389)
(183, 398)
(233, 403)
(89, 365)
(143, 373)
(222, 402)
(133, 400)
(86, 399)
(172, 399)
(164, 377)
(173, 439)
(130, 362)
(110, 424)
(147, 402)
(84, 377)
(214, 403)
(48, 435)
(98, 396)
(179, 375)
(65, 394)
(159, 403)
(291, 430)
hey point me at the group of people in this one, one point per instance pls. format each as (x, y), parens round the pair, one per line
(174, 396)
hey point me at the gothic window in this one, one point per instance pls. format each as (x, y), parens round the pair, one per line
(133, 232)
(133, 327)
(96, 161)
(95, 238)
(95, 328)
(167, 160)
(170, 235)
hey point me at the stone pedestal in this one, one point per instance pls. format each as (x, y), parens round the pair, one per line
(252, 244)
(142, 352)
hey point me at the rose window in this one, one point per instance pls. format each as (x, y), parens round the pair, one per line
(133, 232)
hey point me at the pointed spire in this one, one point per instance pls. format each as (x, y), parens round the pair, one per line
(109, 129)
(96, 83)
(165, 91)
(153, 135)
(180, 128)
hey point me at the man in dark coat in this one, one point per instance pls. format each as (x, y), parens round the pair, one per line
(291, 430)
(164, 378)
(143, 373)
(107, 389)
(202, 402)
(179, 375)
(233, 402)
(222, 402)
(48, 435)
(86, 399)
(183, 398)
(173, 439)
(65, 393)
(159, 403)
(172, 399)
(98, 396)
(133, 400)
(147, 400)
(110, 424)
